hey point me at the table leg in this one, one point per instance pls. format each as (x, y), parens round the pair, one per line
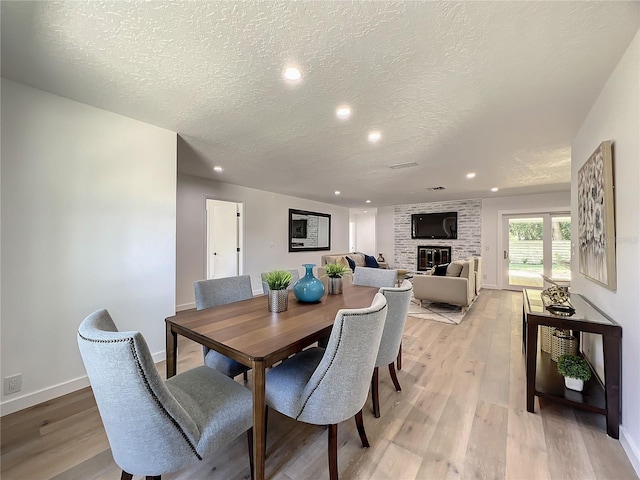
(612, 360)
(531, 355)
(259, 426)
(171, 351)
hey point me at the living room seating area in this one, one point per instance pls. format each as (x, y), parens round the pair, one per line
(457, 283)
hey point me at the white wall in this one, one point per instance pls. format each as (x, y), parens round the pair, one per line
(88, 222)
(492, 211)
(266, 224)
(616, 116)
(385, 241)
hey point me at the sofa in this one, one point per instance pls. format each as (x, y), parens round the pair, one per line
(358, 259)
(458, 286)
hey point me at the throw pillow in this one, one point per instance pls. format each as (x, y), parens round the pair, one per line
(454, 269)
(352, 264)
(440, 270)
(342, 261)
(370, 261)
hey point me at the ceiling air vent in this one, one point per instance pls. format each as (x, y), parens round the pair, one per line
(433, 189)
(403, 165)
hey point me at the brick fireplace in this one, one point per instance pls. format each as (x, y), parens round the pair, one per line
(430, 255)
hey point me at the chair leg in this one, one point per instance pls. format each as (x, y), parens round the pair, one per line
(266, 423)
(245, 377)
(126, 476)
(394, 378)
(374, 393)
(250, 445)
(399, 359)
(333, 452)
(153, 477)
(360, 425)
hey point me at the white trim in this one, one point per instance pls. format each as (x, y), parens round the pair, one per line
(631, 449)
(44, 395)
(185, 306)
(34, 398)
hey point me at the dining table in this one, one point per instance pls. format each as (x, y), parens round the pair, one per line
(249, 333)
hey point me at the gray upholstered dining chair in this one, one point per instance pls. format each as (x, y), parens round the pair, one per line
(154, 426)
(328, 386)
(374, 277)
(398, 300)
(220, 291)
(295, 276)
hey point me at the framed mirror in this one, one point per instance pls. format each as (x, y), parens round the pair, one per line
(309, 231)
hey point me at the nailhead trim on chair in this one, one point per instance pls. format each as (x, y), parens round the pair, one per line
(334, 355)
(148, 386)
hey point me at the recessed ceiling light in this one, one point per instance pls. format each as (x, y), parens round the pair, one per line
(364, 211)
(337, 192)
(343, 112)
(217, 168)
(374, 136)
(368, 201)
(494, 189)
(292, 74)
(471, 175)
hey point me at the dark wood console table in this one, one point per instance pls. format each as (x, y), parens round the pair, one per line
(543, 379)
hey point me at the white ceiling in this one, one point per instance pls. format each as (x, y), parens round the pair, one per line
(497, 88)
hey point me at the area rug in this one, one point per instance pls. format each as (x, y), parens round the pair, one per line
(438, 312)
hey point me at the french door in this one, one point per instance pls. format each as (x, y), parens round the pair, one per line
(535, 245)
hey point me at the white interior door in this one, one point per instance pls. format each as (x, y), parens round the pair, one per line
(224, 227)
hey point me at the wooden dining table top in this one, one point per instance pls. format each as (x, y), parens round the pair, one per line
(247, 331)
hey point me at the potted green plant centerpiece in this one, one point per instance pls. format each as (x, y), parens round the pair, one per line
(278, 281)
(575, 370)
(334, 273)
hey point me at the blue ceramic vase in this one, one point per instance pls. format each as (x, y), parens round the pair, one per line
(308, 289)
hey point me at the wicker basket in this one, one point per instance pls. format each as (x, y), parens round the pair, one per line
(545, 338)
(563, 343)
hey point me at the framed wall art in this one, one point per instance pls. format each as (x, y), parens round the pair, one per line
(596, 218)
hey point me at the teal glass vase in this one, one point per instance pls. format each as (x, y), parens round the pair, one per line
(308, 289)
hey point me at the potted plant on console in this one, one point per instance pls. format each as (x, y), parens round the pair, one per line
(334, 273)
(575, 370)
(278, 281)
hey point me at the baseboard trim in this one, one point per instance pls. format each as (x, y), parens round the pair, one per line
(34, 398)
(631, 449)
(185, 306)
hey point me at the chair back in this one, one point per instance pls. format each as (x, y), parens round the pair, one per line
(295, 276)
(220, 291)
(374, 277)
(148, 430)
(339, 386)
(398, 300)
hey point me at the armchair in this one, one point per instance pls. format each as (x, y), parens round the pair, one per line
(454, 289)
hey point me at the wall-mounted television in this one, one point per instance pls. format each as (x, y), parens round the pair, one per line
(298, 229)
(442, 225)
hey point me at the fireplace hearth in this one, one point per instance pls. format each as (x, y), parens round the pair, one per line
(431, 255)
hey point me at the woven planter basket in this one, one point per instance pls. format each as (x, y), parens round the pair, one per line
(563, 343)
(545, 338)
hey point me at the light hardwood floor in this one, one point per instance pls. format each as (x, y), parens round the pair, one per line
(461, 414)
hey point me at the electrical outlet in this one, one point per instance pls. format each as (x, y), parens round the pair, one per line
(12, 384)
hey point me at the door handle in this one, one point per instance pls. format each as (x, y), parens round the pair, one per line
(505, 254)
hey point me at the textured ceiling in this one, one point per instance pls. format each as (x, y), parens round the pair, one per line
(497, 88)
